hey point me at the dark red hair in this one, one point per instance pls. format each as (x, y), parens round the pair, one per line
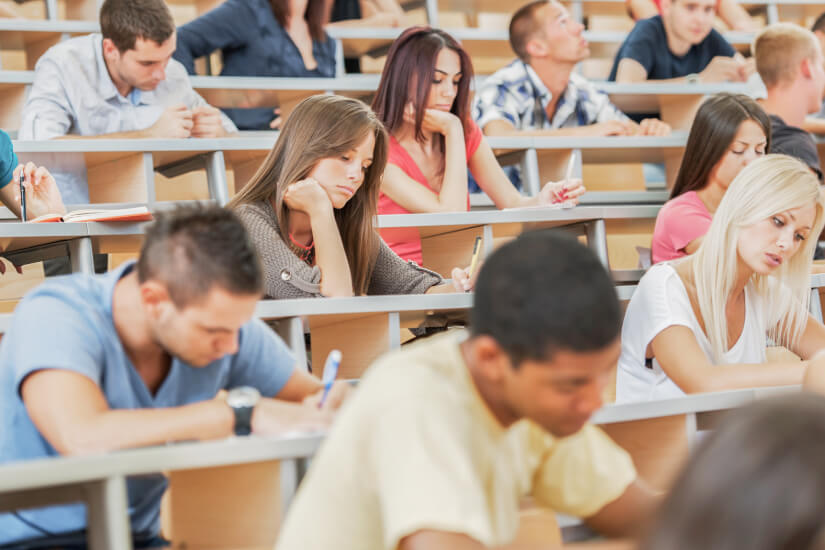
(411, 62)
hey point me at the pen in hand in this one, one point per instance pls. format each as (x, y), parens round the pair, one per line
(474, 260)
(22, 195)
(562, 195)
(330, 373)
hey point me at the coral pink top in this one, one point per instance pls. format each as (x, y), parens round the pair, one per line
(680, 221)
(405, 241)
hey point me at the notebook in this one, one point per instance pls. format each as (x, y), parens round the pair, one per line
(136, 214)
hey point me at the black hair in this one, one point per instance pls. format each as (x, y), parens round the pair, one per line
(542, 293)
(819, 24)
(193, 248)
(756, 482)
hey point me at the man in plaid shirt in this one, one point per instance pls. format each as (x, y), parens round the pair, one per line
(540, 95)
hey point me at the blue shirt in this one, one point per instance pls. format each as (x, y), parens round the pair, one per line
(8, 159)
(253, 43)
(647, 44)
(74, 314)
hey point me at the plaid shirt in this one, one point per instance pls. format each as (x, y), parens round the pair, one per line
(516, 94)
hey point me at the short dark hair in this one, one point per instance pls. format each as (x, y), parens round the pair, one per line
(542, 293)
(756, 482)
(124, 21)
(819, 24)
(193, 248)
(711, 134)
(523, 25)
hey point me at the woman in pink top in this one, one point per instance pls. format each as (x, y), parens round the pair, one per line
(424, 101)
(729, 131)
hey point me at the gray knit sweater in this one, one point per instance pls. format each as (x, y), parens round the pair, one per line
(287, 276)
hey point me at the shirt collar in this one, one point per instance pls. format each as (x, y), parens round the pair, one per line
(107, 87)
(538, 86)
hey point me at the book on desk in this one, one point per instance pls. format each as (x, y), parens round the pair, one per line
(136, 214)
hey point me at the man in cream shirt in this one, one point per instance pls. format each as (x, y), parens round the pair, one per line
(443, 439)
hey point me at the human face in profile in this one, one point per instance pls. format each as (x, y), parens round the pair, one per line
(343, 175)
(764, 246)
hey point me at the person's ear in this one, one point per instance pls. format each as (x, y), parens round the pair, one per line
(806, 68)
(154, 296)
(110, 51)
(490, 359)
(536, 48)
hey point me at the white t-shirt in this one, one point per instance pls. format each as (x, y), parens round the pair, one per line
(661, 301)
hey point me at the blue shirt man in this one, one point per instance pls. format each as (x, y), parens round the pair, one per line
(165, 334)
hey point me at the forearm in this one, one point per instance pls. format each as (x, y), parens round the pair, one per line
(122, 429)
(7, 193)
(714, 378)
(814, 125)
(330, 257)
(454, 191)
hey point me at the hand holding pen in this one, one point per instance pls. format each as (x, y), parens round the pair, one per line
(36, 192)
(564, 192)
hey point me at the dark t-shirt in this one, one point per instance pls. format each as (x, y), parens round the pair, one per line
(647, 44)
(795, 142)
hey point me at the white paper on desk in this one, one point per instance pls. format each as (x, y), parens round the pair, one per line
(555, 206)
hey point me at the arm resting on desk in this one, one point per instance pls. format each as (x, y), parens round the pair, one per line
(71, 412)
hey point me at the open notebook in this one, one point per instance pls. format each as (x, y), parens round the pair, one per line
(136, 214)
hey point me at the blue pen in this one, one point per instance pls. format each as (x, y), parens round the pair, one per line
(330, 372)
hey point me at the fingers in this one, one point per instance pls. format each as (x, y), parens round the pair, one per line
(276, 122)
(338, 393)
(654, 127)
(461, 279)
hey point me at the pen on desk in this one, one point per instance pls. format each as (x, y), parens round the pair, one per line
(330, 372)
(22, 195)
(476, 254)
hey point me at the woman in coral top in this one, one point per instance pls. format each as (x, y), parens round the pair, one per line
(424, 102)
(729, 132)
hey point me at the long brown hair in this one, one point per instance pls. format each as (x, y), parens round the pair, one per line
(320, 127)
(411, 62)
(316, 15)
(716, 123)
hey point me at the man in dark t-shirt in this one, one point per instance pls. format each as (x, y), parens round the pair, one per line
(680, 45)
(790, 61)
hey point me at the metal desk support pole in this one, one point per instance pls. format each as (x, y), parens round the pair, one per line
(216, 177)
(51, 10)
(82, 256)
(597, 240)
(432, 12)
(530, 169)
(108, 515)
(815, 305)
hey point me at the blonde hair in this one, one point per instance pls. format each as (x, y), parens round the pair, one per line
(320, 127)
(779, 49)
(768, 186)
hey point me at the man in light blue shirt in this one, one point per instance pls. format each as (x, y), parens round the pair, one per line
(122, 83)
(136, 357)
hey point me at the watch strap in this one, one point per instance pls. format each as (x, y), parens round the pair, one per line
(243, 420)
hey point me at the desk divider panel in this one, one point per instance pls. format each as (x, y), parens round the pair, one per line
(120, 177)
(658, 446)
(236, 507)
(623, 236)
(12, 98)
(362, 338)
(443, 249)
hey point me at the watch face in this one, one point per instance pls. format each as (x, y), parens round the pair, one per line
(244, 396)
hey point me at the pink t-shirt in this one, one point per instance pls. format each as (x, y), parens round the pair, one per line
(680, 221)
(405, 241)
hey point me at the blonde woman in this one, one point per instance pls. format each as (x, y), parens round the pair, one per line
(701, 323)
(309, 209)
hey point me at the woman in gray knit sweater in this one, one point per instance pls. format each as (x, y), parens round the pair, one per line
(310, 207)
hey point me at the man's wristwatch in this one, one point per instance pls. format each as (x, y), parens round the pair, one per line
(692, 78)
(242, 401)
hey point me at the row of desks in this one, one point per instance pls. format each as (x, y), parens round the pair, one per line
(100, 481)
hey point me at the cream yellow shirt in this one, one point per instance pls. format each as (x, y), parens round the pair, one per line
(417, 448)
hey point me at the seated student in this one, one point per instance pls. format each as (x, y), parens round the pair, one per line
(790, 61)
(756, 482)
(137, 356)
(443, 438)
(364, 13)
(261, 38)
(816, 123)
(681, 46)
(540, 95)
(42, 195)
(121, 84)
(424, 101)
(729, 11)
(310, 208)
(701, 323)
(728, 132)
